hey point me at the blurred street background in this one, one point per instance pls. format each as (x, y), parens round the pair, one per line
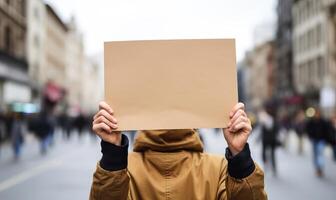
(51, 80)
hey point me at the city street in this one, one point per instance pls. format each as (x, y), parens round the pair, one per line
(66, 171)
(166, 64)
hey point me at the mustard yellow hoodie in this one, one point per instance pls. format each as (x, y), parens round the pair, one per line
(170, 164)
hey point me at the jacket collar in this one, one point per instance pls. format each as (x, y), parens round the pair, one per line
(168, 140)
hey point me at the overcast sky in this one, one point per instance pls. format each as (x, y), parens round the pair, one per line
(108, 20)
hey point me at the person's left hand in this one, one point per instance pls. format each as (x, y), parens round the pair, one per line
(238, 129)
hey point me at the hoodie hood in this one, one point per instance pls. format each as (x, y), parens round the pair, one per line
(168, 140)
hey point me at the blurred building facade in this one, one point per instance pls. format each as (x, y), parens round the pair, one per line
(74, 65)
(55, 53)
(313, 63)
(36, 22)
(92, 92)
(328, 92)
(14, 79)
(284, 56)
(260, 64)
(46, 46)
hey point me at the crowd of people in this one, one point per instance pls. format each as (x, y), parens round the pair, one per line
(310, 123)
(320, 130)
(15, 126)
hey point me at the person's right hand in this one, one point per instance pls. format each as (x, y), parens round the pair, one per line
(104, 124)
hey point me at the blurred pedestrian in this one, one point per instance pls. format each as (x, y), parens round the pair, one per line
(17, 132)
(2, 129)
(8, 124)
(80, 123)
(333, 132)
(285, 124)
(269, 136)
(64, 121)
(299, 126)
(42, 126)
(318, 129)
(89, 120)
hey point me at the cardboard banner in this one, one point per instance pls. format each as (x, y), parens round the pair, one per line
(171, 84)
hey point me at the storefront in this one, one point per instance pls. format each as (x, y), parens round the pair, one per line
(14, 81)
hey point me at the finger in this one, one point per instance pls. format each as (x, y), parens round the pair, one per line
(105, 106)
(238, 114)
(107, 116)
(108, 123)
(237, 121)
(238, 106)
(240, 126)
(102, 119)
(98, 128)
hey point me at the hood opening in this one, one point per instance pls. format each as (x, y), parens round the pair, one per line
(168, 140)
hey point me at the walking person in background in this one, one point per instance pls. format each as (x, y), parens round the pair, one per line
(64, 123)
(299, 126)
(2, 129)
(8, 118)
(42, 126)
(80, 123)
(269, 136)
(17, 132)
(333, 133)
(317, 129)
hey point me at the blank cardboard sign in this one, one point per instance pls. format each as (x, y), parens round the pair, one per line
(171, 84)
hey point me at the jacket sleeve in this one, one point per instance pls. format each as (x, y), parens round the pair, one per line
(241, 178)
(110, 180)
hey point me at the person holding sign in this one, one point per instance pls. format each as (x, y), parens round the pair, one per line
(170, 164)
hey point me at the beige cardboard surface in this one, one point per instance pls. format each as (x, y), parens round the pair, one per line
(171, 84)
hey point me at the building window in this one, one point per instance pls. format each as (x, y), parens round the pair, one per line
(300, 42)
(313, 37)
(299, 13)
(313, 70)
(8, 39)
(305, 73)
(318, 35)
(308, 8)
(320, 68)
(304, 10)
(299, 74)
(314, 7)
(305, 42)
(294, 13)
(318, 5)
(310, 39)
(19, 6)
